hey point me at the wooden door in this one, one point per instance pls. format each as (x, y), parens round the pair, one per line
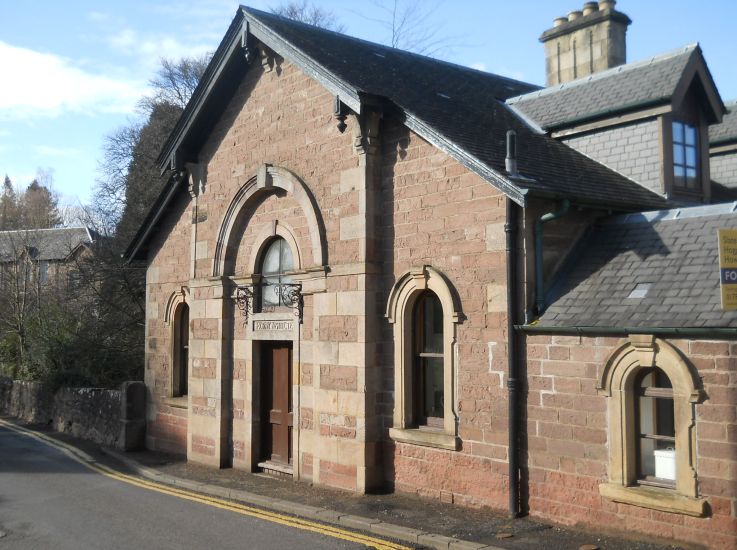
(277, 401)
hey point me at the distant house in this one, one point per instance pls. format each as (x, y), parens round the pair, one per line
(42, 256)
(374, 269)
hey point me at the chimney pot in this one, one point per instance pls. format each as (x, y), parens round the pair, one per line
(558, 21)
(572, 16)
(607, 4)
(590, 7)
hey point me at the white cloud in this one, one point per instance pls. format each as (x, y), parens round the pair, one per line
(151, 48)
(45, 85)
(479, 66)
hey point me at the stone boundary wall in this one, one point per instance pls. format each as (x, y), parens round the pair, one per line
(108, 417)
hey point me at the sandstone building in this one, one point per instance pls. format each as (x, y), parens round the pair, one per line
(371, 268)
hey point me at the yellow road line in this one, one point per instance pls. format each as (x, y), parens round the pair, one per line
(273, 517)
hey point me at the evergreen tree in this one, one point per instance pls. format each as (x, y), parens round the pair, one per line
(8, 206)
(39, 207)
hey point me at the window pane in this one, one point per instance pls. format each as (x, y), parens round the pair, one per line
(287, 262)
(272, 257)
(690, 135)
(433, 388)
(432, 324)
(678, 157)
(270, 291)
(691, 157)
(656, 426)
(678, 132)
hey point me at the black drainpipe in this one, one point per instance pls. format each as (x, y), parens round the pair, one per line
(510, 229)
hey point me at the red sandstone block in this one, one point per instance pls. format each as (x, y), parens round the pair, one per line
(713, 449)
(334, 377)
(547, 413)
(540, 383)
(537, 351)
(716, 413)
(590, 435)
(565, 368)
(567, 385)
(592, 468)
(716, 377)
(554, 430)
(560, 353)
(709, 348)
(574, 418)
(722, 396)
(711, 486)
(713, 431)
(566, 448)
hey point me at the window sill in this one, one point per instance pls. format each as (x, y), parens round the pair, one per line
(426, 438)
(177, 402)
(654, 498)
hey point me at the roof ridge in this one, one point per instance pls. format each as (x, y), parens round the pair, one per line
(670, 54)
(652, 216)
(253, 11)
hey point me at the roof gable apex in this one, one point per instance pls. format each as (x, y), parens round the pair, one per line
(696, 68)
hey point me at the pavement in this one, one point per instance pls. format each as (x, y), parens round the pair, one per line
(421, 522)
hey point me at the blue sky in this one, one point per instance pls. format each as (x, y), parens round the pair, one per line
(73, 71)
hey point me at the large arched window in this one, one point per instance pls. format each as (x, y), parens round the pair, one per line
(180, 363)
(276, 262)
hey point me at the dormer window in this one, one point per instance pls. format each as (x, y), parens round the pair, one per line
(685, 157)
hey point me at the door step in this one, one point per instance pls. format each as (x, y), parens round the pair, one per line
(276, 469)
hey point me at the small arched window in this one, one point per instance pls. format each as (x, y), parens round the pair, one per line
(655, 425)
(180, 367)
(429, 360)
(276, 261)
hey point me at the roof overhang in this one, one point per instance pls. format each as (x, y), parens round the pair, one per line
(229, 63)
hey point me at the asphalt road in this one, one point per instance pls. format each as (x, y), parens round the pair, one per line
(48, 500)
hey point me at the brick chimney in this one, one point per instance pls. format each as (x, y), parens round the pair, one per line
(585, 42)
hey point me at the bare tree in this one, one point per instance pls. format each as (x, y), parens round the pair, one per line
(307, 12)
(175, 82)
(410, 25)
(19, 297)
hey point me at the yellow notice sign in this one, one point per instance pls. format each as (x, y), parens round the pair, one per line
(728, 268)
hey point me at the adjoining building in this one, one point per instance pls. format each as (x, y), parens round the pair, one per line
(373, 269)
(39, 257)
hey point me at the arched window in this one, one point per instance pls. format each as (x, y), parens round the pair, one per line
(656, 434)
(276, 262)
(651, 392)
(429, 361)
(180, 363)
(424, 310)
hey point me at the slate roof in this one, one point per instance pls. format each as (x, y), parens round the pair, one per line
(675, 251)
(726, 131)
(46, 244)
(466, 107)
(458, 109)
(633, 86)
